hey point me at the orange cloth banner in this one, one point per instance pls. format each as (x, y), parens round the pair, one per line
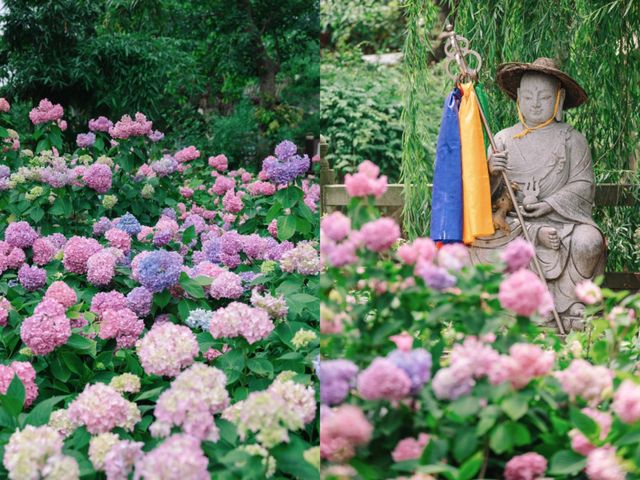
(476, 190)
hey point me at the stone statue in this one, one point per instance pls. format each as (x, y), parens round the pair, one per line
(551, 164)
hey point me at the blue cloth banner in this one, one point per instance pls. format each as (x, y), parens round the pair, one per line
(446, 199)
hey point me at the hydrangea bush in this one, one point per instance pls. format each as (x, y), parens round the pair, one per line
(435, 368)
(159, 311)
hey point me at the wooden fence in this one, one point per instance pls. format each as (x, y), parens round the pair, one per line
(334, 196)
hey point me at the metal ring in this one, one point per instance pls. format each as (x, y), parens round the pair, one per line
(450, 49)
(474, 71)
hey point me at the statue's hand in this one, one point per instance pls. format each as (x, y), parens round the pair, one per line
(498, 162)
(535, 210)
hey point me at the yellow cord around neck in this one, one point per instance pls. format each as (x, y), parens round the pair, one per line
(528, 129)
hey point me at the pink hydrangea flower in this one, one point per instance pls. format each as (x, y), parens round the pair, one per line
(517, 254)
(103, 301)
(77, 252)
(26, 374)
(190, 402)
(219, 162)
(420, 249)
(522, 292)
(101, 267)
(118, 239)
(626, 402)
(223, 184)
(602, 464)
(127, 127)
(588, 292)
(47, 328)
(383, 380)
(579, 442)
(410, 448)
(121, 459)
(100, 408)
(336, 226)
(529, 466)
(379, 235)
(43, 251)
(187, 154)
(167, 349)
(46, 112)
(366, 181)
(20, 235)
(4, 105)
(581, 379)
(232, 201)
(123, 325)
(239, 319)
(178, 457)
(524, 363)
(98, 177)
(5, 307)
(227, 285)
(342, 430)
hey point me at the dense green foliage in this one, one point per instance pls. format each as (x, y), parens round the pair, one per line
(228, 77)
(371, 25)
(594, 42)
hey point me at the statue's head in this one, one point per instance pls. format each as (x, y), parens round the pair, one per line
(537, 97)
(535, 86)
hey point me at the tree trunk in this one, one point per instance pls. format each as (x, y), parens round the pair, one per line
(268, 68)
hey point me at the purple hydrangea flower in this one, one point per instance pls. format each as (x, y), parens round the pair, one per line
(416, 364)
(32, 278)
(159, 270)
(20, 235)
(336, 377)
(101, 226)
(100, 124)
(286, 149)
(140, 300)
(211, 250)
(156, 136)
(169, 213)
(4, 171)
(285, 171)
(130, 224)
(435, 277)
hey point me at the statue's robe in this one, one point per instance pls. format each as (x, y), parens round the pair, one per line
(558, 158)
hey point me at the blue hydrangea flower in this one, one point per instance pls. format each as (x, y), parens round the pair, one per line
(199, 318)
(130, 224)
(160, 270)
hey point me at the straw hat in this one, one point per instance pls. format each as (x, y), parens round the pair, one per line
(510, 74)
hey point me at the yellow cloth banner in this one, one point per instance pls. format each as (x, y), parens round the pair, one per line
(476, 191)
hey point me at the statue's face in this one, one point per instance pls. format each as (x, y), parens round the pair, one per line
(537, 97)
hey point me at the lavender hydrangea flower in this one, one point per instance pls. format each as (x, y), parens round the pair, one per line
(165, 166)
(130, 224)
(32, 278)
(169, 213)
(159, 270)
(4, 171)
(336, 377)
(140, 300)
(435, 277)
(286, 149)
(416, 364)
(211, 250)
(284, 171)
(101, 226)
(85, 140)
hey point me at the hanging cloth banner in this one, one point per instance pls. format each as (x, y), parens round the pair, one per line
(484, 104)
(446, 199)
(476, 191)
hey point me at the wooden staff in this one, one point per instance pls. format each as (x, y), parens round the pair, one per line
(473, 75)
